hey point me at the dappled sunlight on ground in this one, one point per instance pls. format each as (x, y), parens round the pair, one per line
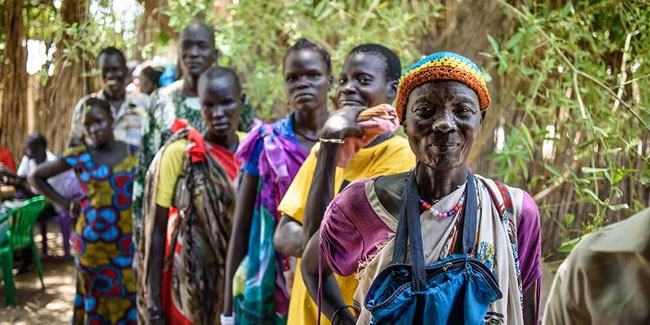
(35, 306)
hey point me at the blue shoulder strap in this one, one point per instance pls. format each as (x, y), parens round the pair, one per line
(409, 231)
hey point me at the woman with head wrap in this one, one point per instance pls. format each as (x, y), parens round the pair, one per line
(441, 102)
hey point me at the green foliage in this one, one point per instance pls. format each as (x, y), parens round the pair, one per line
(254, 35)
(567, 67)
(564, 67)
(103, 28)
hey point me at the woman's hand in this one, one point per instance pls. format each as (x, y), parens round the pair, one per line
(342, 124)
(156, 320)
(5, 171)
(75, 207)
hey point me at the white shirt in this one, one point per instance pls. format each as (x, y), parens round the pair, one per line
(65, 183)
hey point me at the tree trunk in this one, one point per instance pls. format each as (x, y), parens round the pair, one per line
(150, 24)
(13, 103)
(68, 83)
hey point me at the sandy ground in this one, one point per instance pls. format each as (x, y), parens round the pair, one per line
(54, 305)
(35, 306)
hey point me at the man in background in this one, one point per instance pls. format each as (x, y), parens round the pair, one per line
(127, 108)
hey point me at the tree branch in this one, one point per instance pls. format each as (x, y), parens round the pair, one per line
(573, 68)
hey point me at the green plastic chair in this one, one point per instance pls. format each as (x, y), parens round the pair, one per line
(20, 236)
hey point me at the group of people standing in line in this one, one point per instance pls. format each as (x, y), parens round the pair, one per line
(181, 218)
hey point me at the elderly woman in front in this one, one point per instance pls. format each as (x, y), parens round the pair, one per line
(437, 212)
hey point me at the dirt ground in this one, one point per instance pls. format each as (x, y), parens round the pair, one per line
(35, 306)
(54, 305)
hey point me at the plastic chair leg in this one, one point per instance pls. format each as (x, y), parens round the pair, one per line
(43, 225)
(65, 224)
(7, 260)
(39, 267)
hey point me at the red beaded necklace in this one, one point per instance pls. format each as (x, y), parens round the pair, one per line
(440, 214)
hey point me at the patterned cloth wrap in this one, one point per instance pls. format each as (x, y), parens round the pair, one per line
(374, 122)
(105, 283)
(205, 198)
(441, 66)
(260, 291)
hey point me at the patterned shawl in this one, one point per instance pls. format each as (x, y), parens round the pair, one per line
(205, 198)
(263, 297)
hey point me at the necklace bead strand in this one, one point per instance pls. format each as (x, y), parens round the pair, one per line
(440, 214)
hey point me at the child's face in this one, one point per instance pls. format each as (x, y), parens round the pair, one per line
(221, 101)
(98, 126)
(362, 82)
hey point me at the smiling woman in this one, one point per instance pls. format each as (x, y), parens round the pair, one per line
(441, 102)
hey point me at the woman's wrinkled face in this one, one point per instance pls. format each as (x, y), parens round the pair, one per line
(98, 126)
(306, 79)
(442, 121)
(362, 82)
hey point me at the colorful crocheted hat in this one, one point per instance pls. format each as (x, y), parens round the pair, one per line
(442, 66)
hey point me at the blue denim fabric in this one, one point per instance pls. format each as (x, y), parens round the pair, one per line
(459, 295)
(456, 290)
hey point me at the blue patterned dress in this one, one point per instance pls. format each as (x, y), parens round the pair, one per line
(105, 283)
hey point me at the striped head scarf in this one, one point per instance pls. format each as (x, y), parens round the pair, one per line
(442, 66)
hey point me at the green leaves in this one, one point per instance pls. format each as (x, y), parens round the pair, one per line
(560, 65)
(568, 245)
(254, 35)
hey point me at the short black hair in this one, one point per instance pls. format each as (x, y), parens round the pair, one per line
(152, 74)
(112, 51)
(202, 25)
(99, 103)
(37, 139)
(393, 65)
(305, 44)
(220, 72)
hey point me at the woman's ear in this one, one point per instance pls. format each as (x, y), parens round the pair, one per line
(483, 115)
(331, 81)
(391, 92)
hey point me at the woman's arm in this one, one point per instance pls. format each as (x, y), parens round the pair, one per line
(155, 266)
(39, 177)
(530, 257)
(340, 125)
(238, 245)
(531, 304)
(288, 237)
(21, 184)
(331, 298)
(321, 191)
